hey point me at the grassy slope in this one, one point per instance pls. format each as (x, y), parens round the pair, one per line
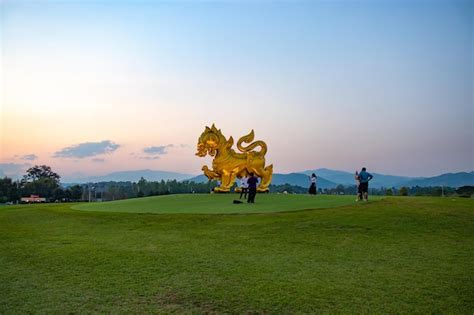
(400, 255)
(218, 203)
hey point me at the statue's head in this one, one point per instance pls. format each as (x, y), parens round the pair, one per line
(209, 142)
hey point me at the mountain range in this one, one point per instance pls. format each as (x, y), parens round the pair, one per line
(128, 176)
(327, 178)
(381, 180)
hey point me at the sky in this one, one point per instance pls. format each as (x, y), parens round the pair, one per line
(91, 87)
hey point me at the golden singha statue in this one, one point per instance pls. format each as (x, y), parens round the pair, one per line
(228, 164)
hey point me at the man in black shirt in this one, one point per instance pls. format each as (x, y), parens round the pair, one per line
(252, 182)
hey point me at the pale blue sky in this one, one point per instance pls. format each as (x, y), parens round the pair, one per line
(338, 84)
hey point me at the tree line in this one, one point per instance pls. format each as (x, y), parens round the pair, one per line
(39, 180)
(42, 181)
(143, 188)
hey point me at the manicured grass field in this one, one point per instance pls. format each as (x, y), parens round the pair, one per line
(219, 203)
(396, 255)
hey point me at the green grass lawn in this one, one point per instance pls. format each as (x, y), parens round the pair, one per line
(395, 255)
(219, 203)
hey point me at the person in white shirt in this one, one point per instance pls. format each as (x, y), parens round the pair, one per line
(244, 187)
(312, 188)
(357, 179)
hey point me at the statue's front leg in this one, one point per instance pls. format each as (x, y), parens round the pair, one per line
(210, 174)
(205, 169)
(224, 187)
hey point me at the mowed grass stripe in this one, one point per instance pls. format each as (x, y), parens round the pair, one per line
(218, 203)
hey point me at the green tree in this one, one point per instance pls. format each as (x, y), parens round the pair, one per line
(74, 192)
(40, 180)
(143, 187)
(340, 189)
(8, 190)
(389, 192)
(44, 187)
(465, 191)
(403, 191)
(59, 194)
(40, 171)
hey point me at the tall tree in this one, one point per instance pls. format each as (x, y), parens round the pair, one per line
(403, 191)
(40, 171)
(40, 180)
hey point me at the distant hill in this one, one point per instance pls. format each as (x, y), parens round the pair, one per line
(381, 180)
(339, 177)
(346, 178)
(132, 176)
(198, 179)
(449, 179)
(302, 180)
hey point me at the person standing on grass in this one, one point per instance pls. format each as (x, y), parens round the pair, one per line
(312, 187)
(252, 187)
(244, 187)
(357, 179)
(364, 178)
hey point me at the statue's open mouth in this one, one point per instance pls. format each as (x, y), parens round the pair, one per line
(201, 151)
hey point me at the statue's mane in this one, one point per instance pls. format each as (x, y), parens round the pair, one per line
(218, 133)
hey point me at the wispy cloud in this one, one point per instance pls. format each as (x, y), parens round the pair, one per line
(96, 160)
(157, 150)
(87, 149)
(149, 157)
(27, 157)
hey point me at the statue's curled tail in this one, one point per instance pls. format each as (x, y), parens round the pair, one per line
(248, 139)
